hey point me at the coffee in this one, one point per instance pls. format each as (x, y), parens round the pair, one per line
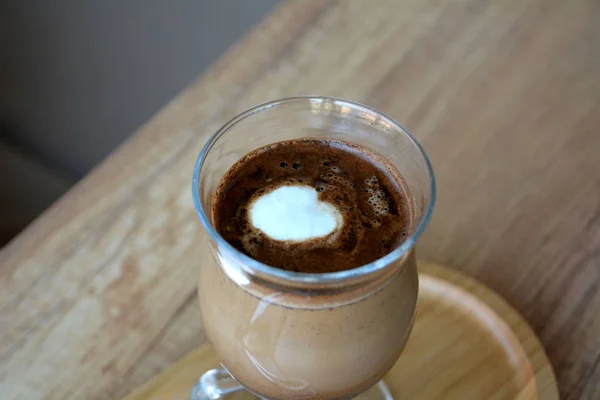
(312, 205)
(309, 205)
(334, 347)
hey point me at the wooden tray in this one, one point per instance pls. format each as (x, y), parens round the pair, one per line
(467, 343)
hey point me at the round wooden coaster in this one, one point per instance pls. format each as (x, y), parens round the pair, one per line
(467, 344)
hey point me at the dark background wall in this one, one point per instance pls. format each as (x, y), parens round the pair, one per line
(78, 77)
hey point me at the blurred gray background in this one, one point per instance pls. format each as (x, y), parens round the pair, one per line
(78, 77)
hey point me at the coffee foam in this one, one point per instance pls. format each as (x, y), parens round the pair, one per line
(377, 198)
(294, 214)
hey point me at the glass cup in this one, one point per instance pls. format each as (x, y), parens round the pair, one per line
(282, 334)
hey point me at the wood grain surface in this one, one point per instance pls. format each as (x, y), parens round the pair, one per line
(98, 295)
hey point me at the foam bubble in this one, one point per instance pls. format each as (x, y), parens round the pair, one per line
(377, 199)
(294, 213)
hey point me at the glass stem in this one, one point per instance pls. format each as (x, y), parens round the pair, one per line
(215, 384)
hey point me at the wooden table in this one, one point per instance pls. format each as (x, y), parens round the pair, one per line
(98, 295)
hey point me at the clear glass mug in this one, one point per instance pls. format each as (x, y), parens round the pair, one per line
(283, 334)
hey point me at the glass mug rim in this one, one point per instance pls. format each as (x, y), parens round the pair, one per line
(253, 266)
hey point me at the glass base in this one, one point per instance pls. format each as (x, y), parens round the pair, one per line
(217, 384)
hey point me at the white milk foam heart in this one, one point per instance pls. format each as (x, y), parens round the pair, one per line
(294, 213)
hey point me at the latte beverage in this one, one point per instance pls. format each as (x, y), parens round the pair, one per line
(312, 206)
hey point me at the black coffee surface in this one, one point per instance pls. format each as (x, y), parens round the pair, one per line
(364, 187)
